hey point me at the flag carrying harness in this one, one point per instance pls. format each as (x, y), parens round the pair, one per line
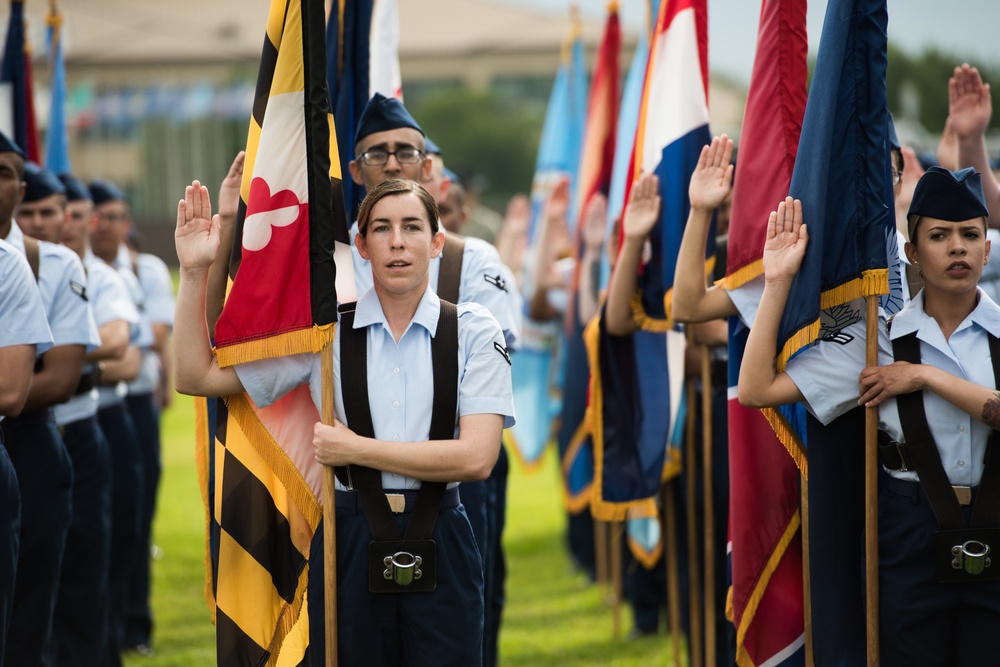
(407, 563)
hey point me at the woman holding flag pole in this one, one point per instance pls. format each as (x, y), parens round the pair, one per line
(939, 515)
(421, 603)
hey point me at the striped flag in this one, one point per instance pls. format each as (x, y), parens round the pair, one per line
(842, 175)
(594, 176)
(766, 600)
(362, 44)
(281, 301)
(56, 138)
(634, 441)
(534, 376)
(17, 115)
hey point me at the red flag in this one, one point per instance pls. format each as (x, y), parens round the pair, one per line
(766, 545)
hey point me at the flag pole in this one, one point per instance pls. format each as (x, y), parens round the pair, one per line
(871, 488)
(806, 586)
(329, 517)
(694, 631)
(617, 528)
(673, 576)
(708, 503)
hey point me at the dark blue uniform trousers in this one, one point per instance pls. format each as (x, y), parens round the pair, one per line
(126, 506)
(443, 628)
(139, 615)
(80, 624)
(10, 539)
(921, 621)
(45, 478)
(494, 562)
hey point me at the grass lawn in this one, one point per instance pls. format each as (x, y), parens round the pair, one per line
(553, 615)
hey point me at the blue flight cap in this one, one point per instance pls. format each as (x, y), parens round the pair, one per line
(76, 190)
(8, 145)
(452, 176)
(383, 113)
(40, 183)
(105, 191)
(430, 147)
(946, 195)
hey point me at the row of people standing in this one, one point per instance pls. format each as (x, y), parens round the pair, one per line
(85, 444)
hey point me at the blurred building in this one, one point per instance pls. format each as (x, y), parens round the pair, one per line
(160, 93)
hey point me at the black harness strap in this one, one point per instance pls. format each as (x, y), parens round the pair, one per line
(926, 459)
(450, 276)
(354, 385)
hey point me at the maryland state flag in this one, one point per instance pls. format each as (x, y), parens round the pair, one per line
(282, 300)
(17, 106)
(766, 598)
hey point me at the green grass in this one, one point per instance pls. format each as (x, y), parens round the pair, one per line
(553, 615)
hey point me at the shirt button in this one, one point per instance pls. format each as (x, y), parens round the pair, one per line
(395, 438)
(961, 464)
(396, 370)
(395, 404)
(961, 427)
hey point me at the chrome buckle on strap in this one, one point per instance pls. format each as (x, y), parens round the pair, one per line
(397, 502)
(964, 494)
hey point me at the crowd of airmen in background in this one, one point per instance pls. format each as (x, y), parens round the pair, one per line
(85, 320)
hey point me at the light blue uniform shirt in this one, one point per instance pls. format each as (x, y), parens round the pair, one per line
(22, 315)
(158, 308)
(485, 280)
(827, 375)
(110, 301)
(63, 286)
(400, 376)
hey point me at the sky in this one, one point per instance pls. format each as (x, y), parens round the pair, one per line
(968, 28)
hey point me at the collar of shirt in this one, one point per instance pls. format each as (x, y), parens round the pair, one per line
(15, 237)
(124, 258)
(369, 311)
(986, 314)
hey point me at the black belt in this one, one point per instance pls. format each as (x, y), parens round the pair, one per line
(400, 502)
(87, 382)
(915, 491)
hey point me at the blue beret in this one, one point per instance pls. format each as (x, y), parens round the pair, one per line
(105, 191)
(452, 176)
(8, 145)
(40, 183)
(383, 113)
(75, 188)
(945, 195)
(430, 147)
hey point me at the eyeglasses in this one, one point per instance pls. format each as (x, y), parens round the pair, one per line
(379, 156)
(896, 176)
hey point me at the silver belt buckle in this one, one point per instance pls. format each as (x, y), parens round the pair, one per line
(964, 494)
(397, 502)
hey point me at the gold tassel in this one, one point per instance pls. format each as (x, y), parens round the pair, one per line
(300, 341)
(742, 275)
(644, 321)
(788, 438)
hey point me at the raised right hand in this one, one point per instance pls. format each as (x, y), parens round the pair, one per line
(712, 179)
(229, 190)
(969, 105)
(196, 237)
(643, 208)
(786, 242)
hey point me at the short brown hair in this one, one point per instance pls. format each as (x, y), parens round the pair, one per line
(393, 188)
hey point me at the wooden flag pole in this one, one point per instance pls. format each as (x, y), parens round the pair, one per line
(616, 529)
(708, 503)
(694, 597)
(601, 553)
(871, 488)
(329, 517)
(673, 576)
(806, 586)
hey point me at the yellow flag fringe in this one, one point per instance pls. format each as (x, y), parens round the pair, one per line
(742, 656)
(300, 341)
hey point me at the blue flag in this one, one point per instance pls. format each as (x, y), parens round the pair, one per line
(56, 139)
